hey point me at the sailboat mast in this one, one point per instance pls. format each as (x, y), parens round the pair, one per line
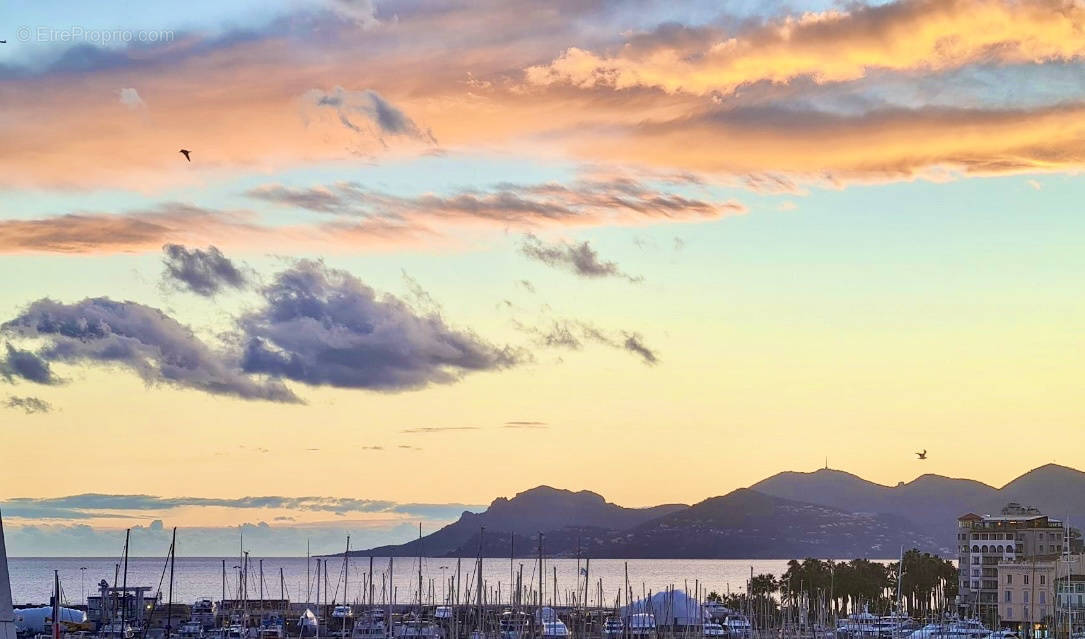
(346, 575)
(124, 585)
(478, 573)
(371, 581)
(56, 604)
(420, 569)
(169, 604)
(540, 573)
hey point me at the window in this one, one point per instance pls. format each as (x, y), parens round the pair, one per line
(1025, 577)
(1043, 597)
(1043, 580)
(1009, 613)
(1009, 596)
(975, 585)
(976, 560)
(1001, 549)
(983, 548)
(1009, 582)
(1025, 593)
(975, 548)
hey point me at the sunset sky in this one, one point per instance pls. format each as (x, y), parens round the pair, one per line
(429, 253)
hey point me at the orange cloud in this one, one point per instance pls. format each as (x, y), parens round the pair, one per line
(836, 46)
(356, 218)
(264, 104)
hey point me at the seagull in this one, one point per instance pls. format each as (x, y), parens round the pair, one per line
(185, 153)
(922, 455)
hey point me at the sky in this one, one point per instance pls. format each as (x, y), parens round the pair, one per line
(422, 255)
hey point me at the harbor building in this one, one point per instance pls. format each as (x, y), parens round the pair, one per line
(1027, 597)
(984, 542)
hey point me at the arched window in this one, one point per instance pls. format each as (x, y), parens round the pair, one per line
(983, 548)
(975, 548)
(1001, 549)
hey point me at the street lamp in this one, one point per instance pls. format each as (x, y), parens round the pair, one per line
(82, 592)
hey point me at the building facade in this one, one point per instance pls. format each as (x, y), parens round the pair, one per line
(984, 543)
(1027, 592)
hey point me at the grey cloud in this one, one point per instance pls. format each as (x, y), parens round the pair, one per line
(525, 424)
(580, 258)
(369, 104)
(584, 202)
(323, 326)
(528, 286)
(573, 334)
(29, 405)
(25, 365)
(93, 504)
(141, 338)
(634, 344)
(262, 539)
(204, 272)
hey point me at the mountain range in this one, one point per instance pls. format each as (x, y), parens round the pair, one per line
(825, 513)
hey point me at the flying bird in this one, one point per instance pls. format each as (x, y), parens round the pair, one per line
(185, 153)
(922, 455)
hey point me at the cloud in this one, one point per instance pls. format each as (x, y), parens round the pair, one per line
(459, 68)
(360, 11)
(280, 538)
(579, 258)
(585, 202)
(323, 326)
(383, 118)
(29, 405)
(22, 364)
(105, 232)
(831, 46)
(203, 272)
(1035, 184)
(89, 505)
(572, 334)
(130, 98)
(140, 338)
(437, 429)
(832, 149)
(527, 285)
(634, 343)
(525, 424)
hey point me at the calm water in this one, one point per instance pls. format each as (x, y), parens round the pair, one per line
(195, 577)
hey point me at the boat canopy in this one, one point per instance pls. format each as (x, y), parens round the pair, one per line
(669, 607)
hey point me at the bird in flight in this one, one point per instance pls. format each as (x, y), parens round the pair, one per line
(185, 153)
(922, 455)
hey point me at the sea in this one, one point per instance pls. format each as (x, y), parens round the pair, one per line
(202, 577)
